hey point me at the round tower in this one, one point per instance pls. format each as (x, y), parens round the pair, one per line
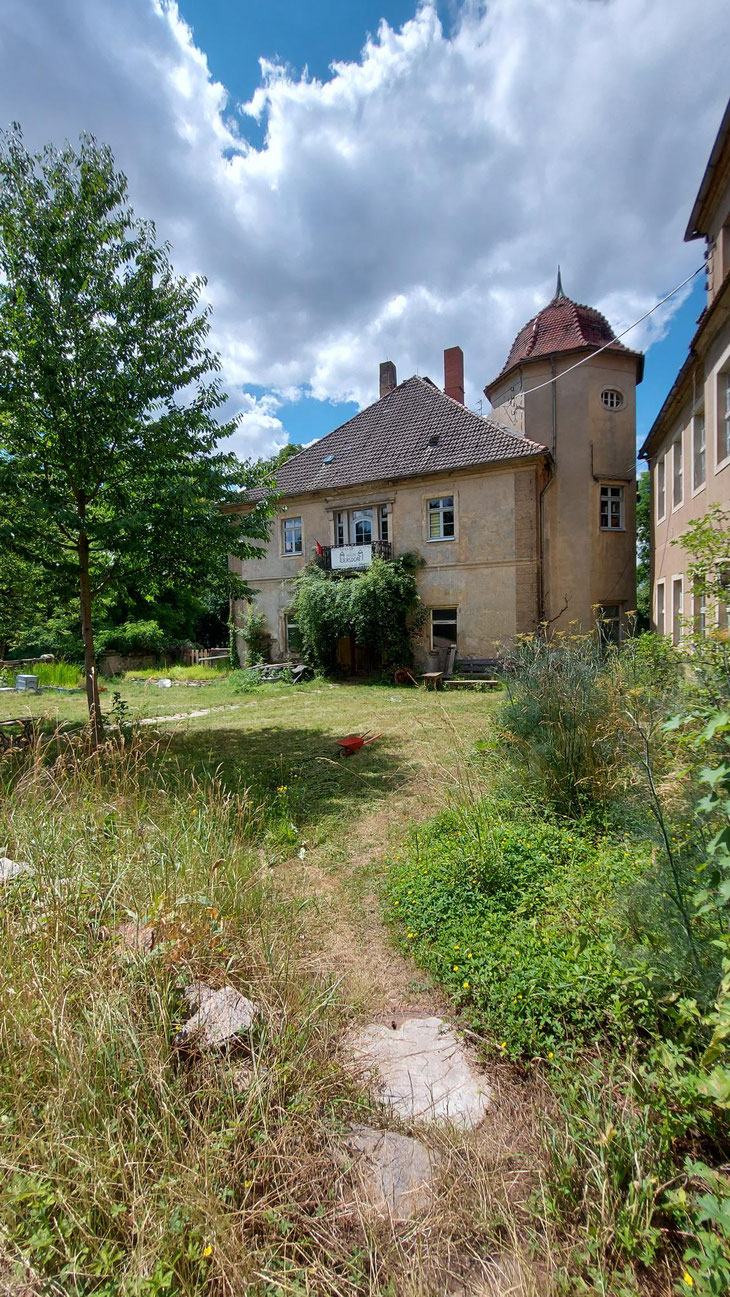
(569, 384)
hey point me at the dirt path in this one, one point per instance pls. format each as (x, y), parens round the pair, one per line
(345, 937)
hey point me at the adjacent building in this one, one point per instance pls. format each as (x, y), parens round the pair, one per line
(688, 447)
(521, 517)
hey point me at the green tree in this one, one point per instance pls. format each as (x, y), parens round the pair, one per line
(643, 550)
(109, 472)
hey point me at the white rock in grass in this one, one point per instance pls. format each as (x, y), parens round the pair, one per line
(219, 1015)
(424, 1071)
(394, 1172)
(11, 869)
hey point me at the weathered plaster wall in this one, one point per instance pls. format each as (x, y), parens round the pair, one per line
(489, 571)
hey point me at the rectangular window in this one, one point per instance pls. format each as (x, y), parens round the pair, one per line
(677, 609)
(340, 528)
(293, 634)
(723, 426)
(699, 450)
(660, 609)
(612, 508)
(441, 518)
(661, 489)
(291, 531)
(700, 602)
(609, 623)
(384, 522)
(443, 627)
(678, 466)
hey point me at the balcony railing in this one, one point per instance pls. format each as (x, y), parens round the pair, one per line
(351, 558)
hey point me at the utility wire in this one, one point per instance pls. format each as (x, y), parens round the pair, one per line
(526, 391)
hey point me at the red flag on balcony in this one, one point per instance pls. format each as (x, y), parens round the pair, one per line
(319, 548)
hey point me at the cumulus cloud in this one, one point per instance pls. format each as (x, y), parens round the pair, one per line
(419, 197)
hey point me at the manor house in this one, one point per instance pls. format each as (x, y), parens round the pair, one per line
(524, 516)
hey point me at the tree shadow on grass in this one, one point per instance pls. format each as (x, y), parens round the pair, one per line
(287, 767)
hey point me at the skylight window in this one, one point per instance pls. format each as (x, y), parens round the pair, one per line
(329, 459)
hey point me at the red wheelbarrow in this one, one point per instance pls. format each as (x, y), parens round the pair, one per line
(353, 742)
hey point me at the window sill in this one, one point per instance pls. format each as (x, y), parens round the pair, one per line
(697, 490)
(723, 463)
(440, 540)
(612, 531)
(300, 555)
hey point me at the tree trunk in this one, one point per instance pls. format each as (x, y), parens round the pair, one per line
(87, 634)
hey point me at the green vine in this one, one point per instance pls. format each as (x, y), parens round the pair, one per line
(380, 608)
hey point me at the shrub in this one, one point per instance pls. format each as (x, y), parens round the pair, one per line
(132, 637)
(518, 918)
(256, 638)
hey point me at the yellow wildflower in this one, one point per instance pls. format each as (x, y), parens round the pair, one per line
(207, 1251)
(282, 788)
(465, 984)
(688, 1279)
(550, 1053)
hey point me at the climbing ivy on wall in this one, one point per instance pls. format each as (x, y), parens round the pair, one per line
(379, 607)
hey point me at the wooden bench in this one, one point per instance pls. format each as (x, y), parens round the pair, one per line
(471, 684)
(433, 679)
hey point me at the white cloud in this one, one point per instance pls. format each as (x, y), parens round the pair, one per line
(418, 198)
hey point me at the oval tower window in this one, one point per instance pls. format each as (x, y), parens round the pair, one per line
(612, 398)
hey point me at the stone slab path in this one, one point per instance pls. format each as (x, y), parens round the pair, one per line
(423, 1071)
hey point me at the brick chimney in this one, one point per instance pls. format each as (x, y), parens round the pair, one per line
(388, 379)
(453, 374)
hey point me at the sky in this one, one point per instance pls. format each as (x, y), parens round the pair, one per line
(381, 179)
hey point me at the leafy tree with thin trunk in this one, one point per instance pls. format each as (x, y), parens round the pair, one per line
(110, 476)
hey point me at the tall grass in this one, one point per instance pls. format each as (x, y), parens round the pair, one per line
(177, 672)
(123, 1167)
(66, 674)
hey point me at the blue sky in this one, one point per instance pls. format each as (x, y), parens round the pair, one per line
(236, 36)
(417, 195)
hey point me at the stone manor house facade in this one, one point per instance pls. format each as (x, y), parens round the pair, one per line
(521, 517)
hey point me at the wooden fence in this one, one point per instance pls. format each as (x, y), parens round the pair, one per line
(205, 657)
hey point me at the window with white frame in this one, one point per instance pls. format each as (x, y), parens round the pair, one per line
(293, 634)
(612, 508)
(291, 536)
(660, 614)
(700, 610)
(723, 424)
(612, 398)
(699, 451)
(661, 487)
(678, 472)
(677, 609)
(443, 627)
(362, 526)
(441, 518)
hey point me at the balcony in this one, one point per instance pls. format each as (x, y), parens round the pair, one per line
(352, 558)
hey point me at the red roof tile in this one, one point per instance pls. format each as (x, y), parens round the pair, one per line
(562, 325)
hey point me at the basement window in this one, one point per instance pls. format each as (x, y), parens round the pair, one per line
(443, 627)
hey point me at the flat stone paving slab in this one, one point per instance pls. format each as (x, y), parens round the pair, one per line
(424, 1071)
(11, 869)
(394, 1172)
(218, 1015)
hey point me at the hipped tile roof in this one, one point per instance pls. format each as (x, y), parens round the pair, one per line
(414, 429)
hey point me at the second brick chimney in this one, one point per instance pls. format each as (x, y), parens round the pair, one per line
(388, 378)
(453, 374)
